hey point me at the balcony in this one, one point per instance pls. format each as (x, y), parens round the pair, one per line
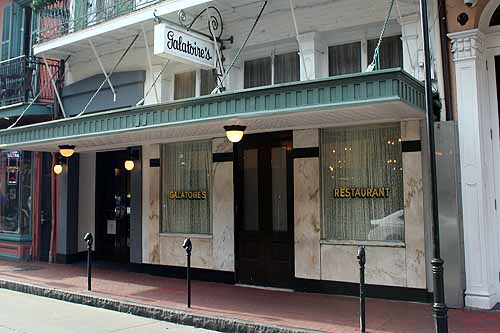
(377, 97)
(24, 78)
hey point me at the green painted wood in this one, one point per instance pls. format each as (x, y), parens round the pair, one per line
(329, 93)
(15, 238)
(34, 110)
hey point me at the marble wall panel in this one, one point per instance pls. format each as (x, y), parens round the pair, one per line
(306, 138)
(410, 130)
(223, 216)
(384, 265)
(307, 211)
(414, 220)
(151, 206)
(172, 253)
(222, 145)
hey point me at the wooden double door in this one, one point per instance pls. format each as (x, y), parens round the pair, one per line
(264, 212)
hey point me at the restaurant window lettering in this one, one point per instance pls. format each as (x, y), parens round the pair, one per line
(15, 192)
(186, 183)
(362, 184)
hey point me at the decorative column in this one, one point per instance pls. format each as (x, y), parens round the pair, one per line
(477, 177)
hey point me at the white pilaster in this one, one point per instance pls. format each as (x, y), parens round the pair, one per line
(158, 90)
(477, 172)
(412, 45)
(310, 65)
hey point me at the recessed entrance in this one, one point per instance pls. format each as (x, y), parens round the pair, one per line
(112, 220)
(264, 212)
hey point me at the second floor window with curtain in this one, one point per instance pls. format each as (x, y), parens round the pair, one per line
(257, 72)
(344, 59)
(286, 67)
(266, 71)
(390, 52)
(185, 85)
(208, 81)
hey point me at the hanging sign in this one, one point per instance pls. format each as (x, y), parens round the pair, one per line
(184, 46)
(370, 192)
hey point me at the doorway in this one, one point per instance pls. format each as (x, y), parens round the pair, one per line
(112, 220)
(264, 211)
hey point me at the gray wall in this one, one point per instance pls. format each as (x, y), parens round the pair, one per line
(129, 87)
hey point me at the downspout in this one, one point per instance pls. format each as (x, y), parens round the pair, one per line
(445, 57)
(54, 205)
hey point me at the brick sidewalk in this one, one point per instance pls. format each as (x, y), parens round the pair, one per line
(318, 312)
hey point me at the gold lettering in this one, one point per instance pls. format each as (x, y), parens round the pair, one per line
(336, 194)
(357, 194)
(369, 193)
(363, 193)
(203, 195)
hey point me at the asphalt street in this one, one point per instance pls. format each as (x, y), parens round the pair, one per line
(23, 313)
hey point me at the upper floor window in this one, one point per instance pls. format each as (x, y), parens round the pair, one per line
(208, 81)
(185, 85)
(348, 58)
(344, 59)
(13, 17)
(279, 68)
(391, 52)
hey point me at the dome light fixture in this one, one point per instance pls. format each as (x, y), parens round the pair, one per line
(234, 132)
(133, 155)
(67, 150)
(129, 165)
(58, 169)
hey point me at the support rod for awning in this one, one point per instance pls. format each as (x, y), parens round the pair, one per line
(298, 39)
(56, 91)
(110, 73)
(154, 82)
(242, 46)
(149, 61)
(24, 111)
(102, 69)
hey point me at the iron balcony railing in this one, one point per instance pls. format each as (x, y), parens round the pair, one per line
(57, 20)
(25, 78)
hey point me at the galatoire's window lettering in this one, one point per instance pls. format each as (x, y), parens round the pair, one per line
(362, 183)
(186, 187)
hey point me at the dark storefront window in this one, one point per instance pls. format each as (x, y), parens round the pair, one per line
(186, 184)
(362, 183)
(15, 192)
(344, 59)
(391, 52)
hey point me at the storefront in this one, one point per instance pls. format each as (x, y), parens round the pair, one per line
(16, 179)
(323, 167)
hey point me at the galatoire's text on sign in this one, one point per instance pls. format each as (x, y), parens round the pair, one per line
(188, 47)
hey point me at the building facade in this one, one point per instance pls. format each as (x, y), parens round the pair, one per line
(333, 156)
(26, 96)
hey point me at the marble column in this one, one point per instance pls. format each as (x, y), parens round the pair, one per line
(311, 64)
(477, 172)
(151, 206)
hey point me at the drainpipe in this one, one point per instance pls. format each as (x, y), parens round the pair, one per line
(445, 57)
(54, 205)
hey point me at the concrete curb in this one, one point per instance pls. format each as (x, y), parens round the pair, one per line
(174, 316)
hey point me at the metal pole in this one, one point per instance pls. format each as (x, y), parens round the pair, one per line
(362, 292)
(188, 247)
(439, 309)
(89, 239)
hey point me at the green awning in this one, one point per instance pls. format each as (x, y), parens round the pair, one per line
(382, 95)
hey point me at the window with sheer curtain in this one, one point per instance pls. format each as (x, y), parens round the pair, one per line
(186, 184)
(365, 159)
(208, 81)
(391, 52)
(185, 85)
(344, 59)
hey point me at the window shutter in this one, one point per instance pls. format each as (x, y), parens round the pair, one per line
(6, 24)
(16, 38)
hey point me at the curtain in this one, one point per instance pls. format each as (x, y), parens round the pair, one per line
(208, 82)
(344, 59)
(362, 158)
(186, 167)
(257, 72)
(185, 85)
(391, 52)
(286, 67)
(279, 188)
